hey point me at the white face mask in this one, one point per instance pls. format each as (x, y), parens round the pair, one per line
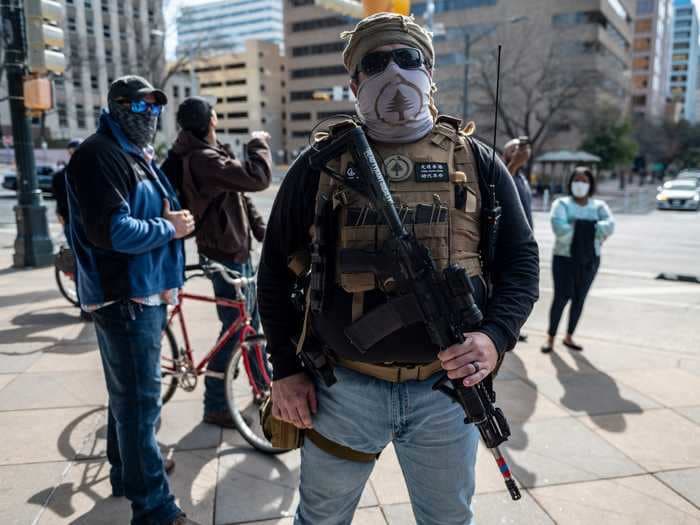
(580, 189)
(395, 104)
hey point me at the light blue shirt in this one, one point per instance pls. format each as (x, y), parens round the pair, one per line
(565, 211)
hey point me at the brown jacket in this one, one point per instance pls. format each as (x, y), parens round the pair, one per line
(213, 182)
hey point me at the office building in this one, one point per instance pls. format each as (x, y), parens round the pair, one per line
(651, 54)
(104, 39)
(180, 85)
(587, 44)
(223, 26)
(247, 87)
(683, 78)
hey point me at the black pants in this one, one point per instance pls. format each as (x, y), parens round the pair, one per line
(572, 280)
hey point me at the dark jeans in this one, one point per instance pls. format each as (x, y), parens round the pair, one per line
(572, 281)
(214, 392)
(129, 337)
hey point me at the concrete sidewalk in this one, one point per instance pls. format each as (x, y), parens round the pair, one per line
(608, 436)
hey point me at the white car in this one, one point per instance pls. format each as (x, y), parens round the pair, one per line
(689, 174)
(679, 194)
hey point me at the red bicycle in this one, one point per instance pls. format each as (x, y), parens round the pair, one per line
(244, 392)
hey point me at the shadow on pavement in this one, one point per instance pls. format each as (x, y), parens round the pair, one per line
(519, 438)
(606, 390)
(28, 297)
(28, 326)
(88, 433)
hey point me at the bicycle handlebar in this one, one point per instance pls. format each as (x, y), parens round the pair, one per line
(230, 276)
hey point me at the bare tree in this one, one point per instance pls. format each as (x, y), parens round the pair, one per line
(541, 91)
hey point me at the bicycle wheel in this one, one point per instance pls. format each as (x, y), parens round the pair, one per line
(169, 357)
(67, 287)
(241, 395)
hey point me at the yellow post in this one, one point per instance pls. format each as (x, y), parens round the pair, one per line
(402, 7)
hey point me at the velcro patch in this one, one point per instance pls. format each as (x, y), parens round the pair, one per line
(432, 172)
(351, 174)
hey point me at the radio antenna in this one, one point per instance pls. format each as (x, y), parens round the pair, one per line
(492, 182)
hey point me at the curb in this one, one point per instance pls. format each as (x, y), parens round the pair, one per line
(678, 278)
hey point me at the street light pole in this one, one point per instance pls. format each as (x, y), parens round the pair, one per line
(33, 245)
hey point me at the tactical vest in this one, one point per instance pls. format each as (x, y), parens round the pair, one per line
(435, 186)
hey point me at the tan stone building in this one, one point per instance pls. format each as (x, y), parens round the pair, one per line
(248, 88)
(651, 56)
(574, 54)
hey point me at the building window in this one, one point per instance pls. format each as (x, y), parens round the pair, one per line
(640, 63)
(299, 3)
(321, 23)
(237, 82)
(642, 44)
(234, 100)
(680, 67)
(237, 131)
(94, 83)
(684, 12)
(239, 114)
(106, 32)
(62, 115)
(77, 81)
(318, 49)
(680, 57)
(299, 116)
(188, 92)
(679, 78)
(643, 26)
(681, 45)
(645, 7)
(239, 65)
(176, 91)
(640, 82)
(80, 115)
(639, 100)
(96, 112)
(211, 84)
(323, 71)
(680, 35)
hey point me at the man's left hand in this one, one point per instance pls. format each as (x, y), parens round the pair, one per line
(472, 360)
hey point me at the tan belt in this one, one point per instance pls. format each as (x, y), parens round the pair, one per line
(393, 374)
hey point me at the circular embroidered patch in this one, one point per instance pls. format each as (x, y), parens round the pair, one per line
(398, 168)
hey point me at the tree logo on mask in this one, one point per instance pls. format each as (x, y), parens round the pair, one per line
(399, 101)
(398, 168)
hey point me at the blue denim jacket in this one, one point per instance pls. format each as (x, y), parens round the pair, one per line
(565, 211)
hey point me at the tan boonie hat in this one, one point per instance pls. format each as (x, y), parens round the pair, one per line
(381, 29)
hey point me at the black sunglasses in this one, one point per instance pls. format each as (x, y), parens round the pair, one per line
(406, 58)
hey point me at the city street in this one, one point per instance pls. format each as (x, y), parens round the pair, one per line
(609, 436)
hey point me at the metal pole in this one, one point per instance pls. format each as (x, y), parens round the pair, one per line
(429, 14)
(465, 88)
(33, 244)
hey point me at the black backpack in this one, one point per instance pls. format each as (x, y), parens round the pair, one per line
(172, 167)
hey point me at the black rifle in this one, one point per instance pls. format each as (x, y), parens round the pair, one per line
(445, 300)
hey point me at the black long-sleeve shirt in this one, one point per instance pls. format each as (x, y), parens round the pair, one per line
(515, 277)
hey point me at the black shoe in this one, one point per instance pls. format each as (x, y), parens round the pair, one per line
(183, 520)
(169, 465)
(546, 349)
(573, 346)
(85, 316)
(522, 338)
(221, 419)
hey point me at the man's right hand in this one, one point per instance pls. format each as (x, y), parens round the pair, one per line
(294, 400)
(182, 220)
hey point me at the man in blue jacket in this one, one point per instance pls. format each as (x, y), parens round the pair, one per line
(127, 232)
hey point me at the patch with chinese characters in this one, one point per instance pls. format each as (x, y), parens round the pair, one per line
(398, 168)
(432, 172)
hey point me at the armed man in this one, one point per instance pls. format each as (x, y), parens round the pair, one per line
(355, 362)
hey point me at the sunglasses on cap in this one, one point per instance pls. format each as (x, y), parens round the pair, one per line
(141, 106)
(406, 58)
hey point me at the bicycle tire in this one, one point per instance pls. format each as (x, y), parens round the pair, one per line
(251, 432)
(70, 296)
(168, 390)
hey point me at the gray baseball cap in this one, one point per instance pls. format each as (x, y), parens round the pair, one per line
(132, 87)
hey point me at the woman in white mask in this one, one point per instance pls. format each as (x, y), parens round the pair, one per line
(581, 224)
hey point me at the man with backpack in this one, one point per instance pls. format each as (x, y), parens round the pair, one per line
(211, 182)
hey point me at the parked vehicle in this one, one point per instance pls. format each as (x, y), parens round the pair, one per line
(44, 175)
(679, 194)
(689, 174)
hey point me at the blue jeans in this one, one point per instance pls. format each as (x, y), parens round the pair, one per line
(214, 392)
(129, 337)
(436, 450)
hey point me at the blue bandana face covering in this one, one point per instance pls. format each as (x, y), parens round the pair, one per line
(139, 128)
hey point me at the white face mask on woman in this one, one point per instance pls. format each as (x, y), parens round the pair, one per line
(580, 189)
(394, 105)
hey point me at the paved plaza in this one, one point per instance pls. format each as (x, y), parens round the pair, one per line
(607, 436)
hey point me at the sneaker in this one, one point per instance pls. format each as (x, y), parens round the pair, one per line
(183, 520)
(221, 419)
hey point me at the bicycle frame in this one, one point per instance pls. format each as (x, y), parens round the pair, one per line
(242, 324)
